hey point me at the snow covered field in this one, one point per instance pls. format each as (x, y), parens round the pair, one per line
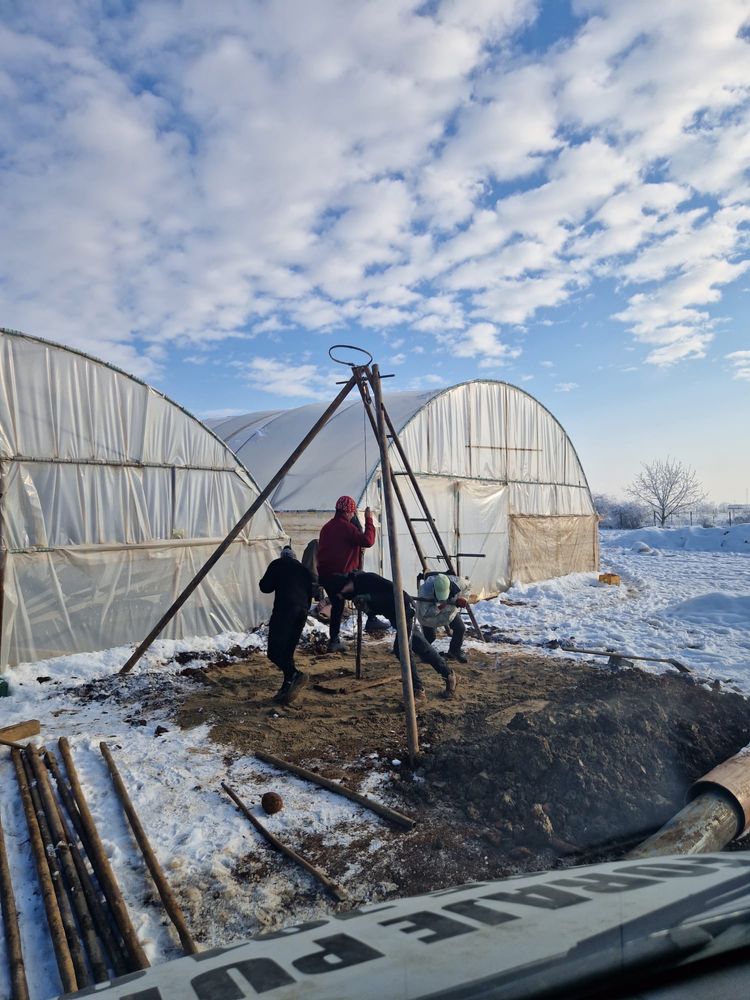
(685, 593)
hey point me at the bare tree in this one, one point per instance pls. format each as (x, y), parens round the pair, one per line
(667, 487)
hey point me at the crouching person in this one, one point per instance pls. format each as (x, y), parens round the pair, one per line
(439, 604)
(291, 584)
(375, 595)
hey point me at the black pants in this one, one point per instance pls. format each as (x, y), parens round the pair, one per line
(332, 585)
(421, 648)
(284, 630)
(457, 630)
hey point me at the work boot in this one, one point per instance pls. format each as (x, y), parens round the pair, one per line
(458, 656)
(336, 646)
(298, 682)
(281, 694)
(374, 626)
(420, 694)
(451, 681)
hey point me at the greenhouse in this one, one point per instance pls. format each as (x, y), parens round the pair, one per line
(500, 474)
(111, 497)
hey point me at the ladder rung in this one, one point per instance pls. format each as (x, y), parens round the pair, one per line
(397, 473)
(426, 519)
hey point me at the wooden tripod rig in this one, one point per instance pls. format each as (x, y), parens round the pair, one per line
(364, 377)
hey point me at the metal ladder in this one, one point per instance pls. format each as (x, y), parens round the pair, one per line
(426, 517)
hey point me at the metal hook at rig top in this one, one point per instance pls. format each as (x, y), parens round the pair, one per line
(344, 361)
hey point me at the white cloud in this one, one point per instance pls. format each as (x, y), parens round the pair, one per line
(740, 361)
(566, 386)
(284, 378)
(349, 164)
(481, 340)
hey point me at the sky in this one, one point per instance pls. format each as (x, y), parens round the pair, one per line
(555, 194)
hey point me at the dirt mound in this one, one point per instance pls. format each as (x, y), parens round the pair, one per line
(597, 764)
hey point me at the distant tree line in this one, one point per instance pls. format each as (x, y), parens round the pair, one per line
(666, 493)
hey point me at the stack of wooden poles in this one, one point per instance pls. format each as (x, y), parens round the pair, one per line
(89, 925)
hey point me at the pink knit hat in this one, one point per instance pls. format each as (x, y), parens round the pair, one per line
(346, 505)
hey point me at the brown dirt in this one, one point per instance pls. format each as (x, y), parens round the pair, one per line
(537, 762)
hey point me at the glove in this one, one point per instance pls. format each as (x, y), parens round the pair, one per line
(461, 602)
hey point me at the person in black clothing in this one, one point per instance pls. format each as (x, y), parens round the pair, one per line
(375, 595)
(291, 584)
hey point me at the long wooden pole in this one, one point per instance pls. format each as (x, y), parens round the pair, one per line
(302, 772)
(51, 909)
(19, 987)
(402, 629)
(83, 976)
(244, 520)
(72, 880)
(103, 920)
(102, 867)
(165, 890)
(334, 890)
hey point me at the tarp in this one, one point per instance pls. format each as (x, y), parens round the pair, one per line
(111, 497)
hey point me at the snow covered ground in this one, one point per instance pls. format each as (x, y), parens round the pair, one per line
(174, 779)
(685, 593)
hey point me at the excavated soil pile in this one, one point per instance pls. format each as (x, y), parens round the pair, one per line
(601, 763)
(537, 761)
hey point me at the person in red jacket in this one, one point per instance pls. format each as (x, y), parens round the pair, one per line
(339, 549)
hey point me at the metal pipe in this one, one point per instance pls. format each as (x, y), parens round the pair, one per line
(70, 874)
(245, 519)
(51, 908)
(402, 629)
(717, 812)
(19, 988)
(165, 890)
(102, 867)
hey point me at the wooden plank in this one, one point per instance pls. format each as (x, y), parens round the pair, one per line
(21, 730)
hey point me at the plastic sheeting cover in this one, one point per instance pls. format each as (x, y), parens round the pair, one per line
(90, 456)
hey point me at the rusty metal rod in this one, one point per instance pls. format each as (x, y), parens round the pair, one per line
(358, 657)
(51, 908)
(83, 976)
(402, 628)
(245, 519)
(165, 891)
(334, 890)
(629, 656)
(102, 867)
(72, 881)
(103, 920)
(302, 772)
(19, 987)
